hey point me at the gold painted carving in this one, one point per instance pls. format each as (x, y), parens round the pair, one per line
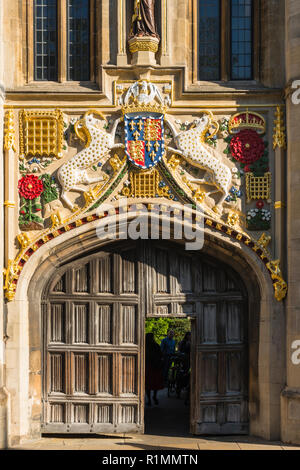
(24, 240)
(279, 137)
(258, 187)
(143, 44)
(56, 220)
(41, 133)
(116, 163)
(145, 184)
(280, 285)
(198, 195)
(9, 204)
(279, 205)
(144, 108)
(90, 196)
(9, 131)
(174, 162)
(233, 219)
(264, 241)
(247, 120)
(10, 278)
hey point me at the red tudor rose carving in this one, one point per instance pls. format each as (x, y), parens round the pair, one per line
(247, 147)
(30, 187)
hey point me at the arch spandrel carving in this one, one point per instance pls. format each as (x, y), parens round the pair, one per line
(147, 156)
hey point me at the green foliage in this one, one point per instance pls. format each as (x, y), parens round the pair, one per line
(260, 167)
(224, 126)
(160, 326)
(212, 142)
(50, 192)
(29, 209)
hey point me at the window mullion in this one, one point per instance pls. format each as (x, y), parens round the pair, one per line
(62, 40)
(256, 39)
(30, 41)
(225, 40)
(92, 40)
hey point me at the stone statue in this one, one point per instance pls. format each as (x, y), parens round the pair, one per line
(143, 20)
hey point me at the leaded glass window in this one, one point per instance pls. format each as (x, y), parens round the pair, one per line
(209, 39)
(241, 39)
(78, 40)
(226, 37)
(45, 32)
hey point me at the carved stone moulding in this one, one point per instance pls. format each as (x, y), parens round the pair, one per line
(29, 247)
(143, 44)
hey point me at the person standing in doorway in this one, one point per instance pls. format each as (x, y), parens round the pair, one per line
(153, 369)
(167, 347)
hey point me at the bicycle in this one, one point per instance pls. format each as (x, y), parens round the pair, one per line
(176, 375)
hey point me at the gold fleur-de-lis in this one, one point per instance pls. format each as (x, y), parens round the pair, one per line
(153, 155)
(136, 135)
(132, 125)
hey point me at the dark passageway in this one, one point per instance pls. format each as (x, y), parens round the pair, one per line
(169, 418)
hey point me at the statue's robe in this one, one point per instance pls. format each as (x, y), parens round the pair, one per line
(146, 26)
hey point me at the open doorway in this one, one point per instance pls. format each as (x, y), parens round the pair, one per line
(167, 376)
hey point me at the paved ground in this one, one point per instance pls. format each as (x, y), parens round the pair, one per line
(166, 428)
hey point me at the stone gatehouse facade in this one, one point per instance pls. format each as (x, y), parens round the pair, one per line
(114, 110)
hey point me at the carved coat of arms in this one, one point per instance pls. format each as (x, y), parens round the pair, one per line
(144, 124)
(144, 139)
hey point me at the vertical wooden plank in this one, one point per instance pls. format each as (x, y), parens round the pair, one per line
(128, 272)
(105, 378)
(195, 384)
(104, 324)
(128, 375)
(209, 319)
(162, 271)
(147, 278)
(117, 274)
(80, 323)
(234, 323)
(93, 373)
(129, 321)
(106, 274)
(81, 278)
(81, 368)
(143, 308)
(56, 323)
(69, 373)
(69, 323)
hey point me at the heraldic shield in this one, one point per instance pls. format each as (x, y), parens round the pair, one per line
(144, 139)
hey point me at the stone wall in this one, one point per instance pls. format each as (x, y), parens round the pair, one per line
(3, 395)
(291, 395)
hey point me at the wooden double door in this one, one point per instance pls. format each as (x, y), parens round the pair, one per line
(94, 313)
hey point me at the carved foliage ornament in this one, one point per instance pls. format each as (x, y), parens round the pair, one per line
(280, 285)
(9, 131)
(279, 137)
